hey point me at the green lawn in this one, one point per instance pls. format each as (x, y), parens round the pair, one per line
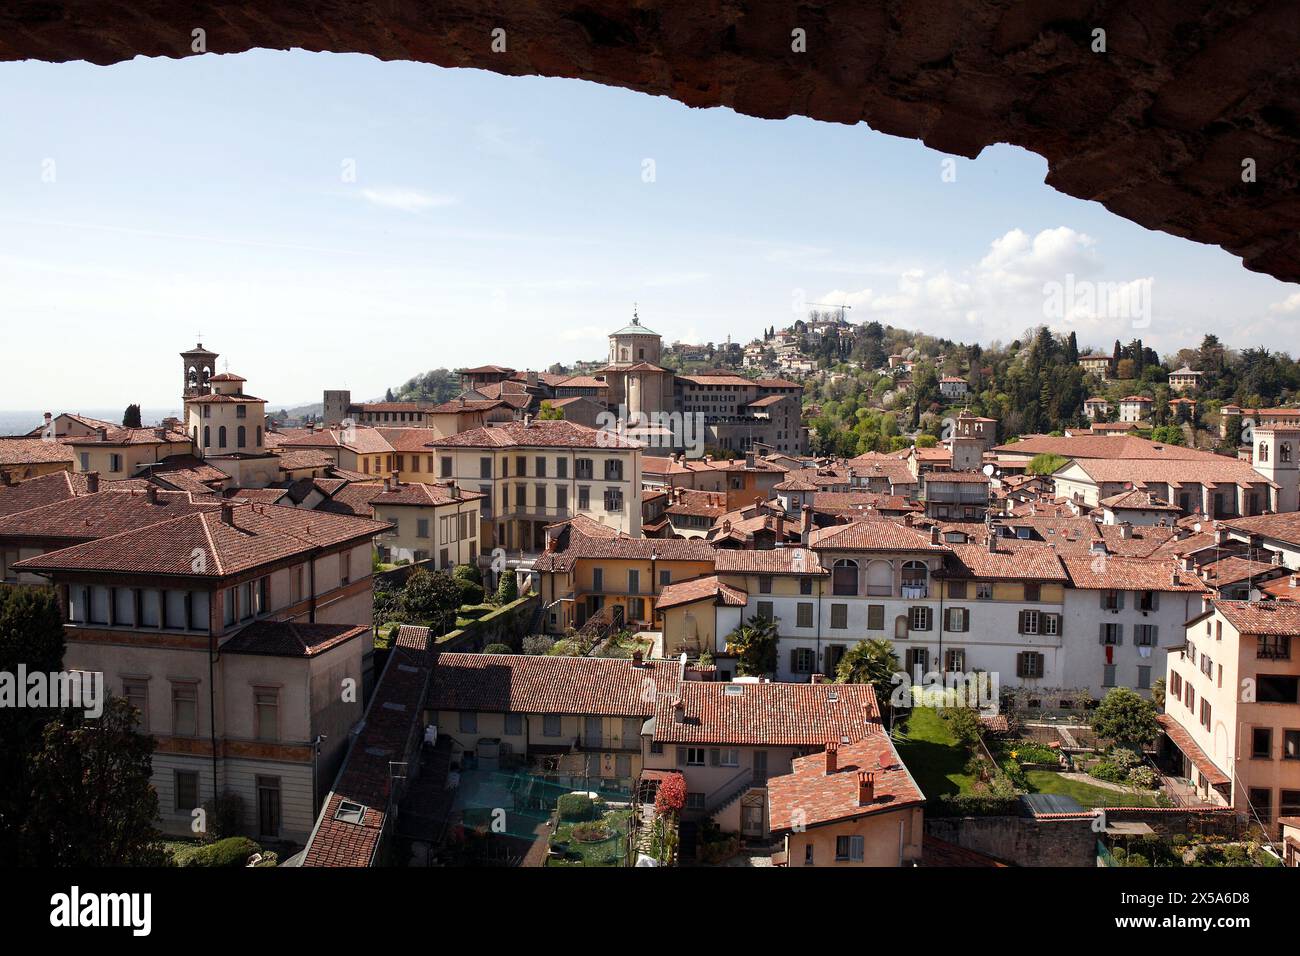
(1046, 781)
(933, 755)
(608, 853)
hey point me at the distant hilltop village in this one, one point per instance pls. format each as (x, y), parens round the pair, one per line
(536, 592)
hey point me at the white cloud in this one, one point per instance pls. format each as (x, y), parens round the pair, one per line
(1290, 304)
(407, 200)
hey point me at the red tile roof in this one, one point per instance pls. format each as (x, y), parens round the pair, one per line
(1262, 617)
(34, 451)
(257, 535)
(1012, 561)
(87, 517)
(291, 638)
(872, 534)
(770, 714)
(1112, 572)
(1192, 750)
(535, 434)
(808, 796)
(39, 491)
(700, 589)
(544, 684)
(418, 494)
(788, 560)
(580, 545)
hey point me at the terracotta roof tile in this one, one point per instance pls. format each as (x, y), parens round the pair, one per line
(808, 796)
(771, 714)
(701, 589)
(535, 434)
(291, 638)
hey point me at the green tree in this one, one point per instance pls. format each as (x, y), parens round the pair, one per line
(869, 662)
(1126, 718)
(131, 417)
(1044, 464)
(431, 598)
(549, 413)
(754, 645)
(31, 634)
(92, 802)
(507, 588)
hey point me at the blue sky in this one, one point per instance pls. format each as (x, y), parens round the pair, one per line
(506, 220)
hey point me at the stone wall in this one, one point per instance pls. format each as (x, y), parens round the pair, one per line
(1023, 841)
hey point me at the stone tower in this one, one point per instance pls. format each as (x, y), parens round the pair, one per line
(198, 366)
(337, 402)
(1274, 453)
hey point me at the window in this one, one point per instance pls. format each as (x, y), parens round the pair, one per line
(919, 618)
(582, 469)
(805, 586)
(1206, 714)
(1291, 745)
(844, 578)
(1112, 634)
(1112, 600)
(958, 619)
(765, 584)
(765, 610)
(848, 849)
(268, 806)
(422, 527)
(1261, 741)
(562, 498)
(561, 468)
(551, 725)
(1108, 675)
(1261, 799)
(484, 467)
(613, 469)
(1145, 635)
(137, 694)
(187, 790)
(803, 660)
(241, 437)
(266, 706)
(613, 499)
(875, 617)
(221, 436)
(957, 590)
(185, 713)
(1289, 803)
(584, 498)
(1033, 591)
(839, 616)
(1029, 664)
(345, 568)
(468, 722)
(633, 581)
(804, 614)
(691, 756)
(808, 854)
(540, 464)
(665, 578)
(954, 660)
(694, 800)
(540, 496)
(1276, 689)
(726, 756)
(1144, 677)
(444, 466)
(514, 725)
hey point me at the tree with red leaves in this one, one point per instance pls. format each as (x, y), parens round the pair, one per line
(671, 795)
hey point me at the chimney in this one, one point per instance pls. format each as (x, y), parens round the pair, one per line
(1276, 559)
(934, 534)
(397, 482)
(909, 518)
(832, 757)
(993, 540)
(528, 421)
(151, 494)
(1294, 580)
(749, 459)
(1125, 530)
(454, 490)
(532, 379)
(805, 524)
(103, 433)
(866, 787)
(1189, 564)
(679, 711)
(1174, 578)
(388, 483)
(92, 481)
(636, 658)
(228, 514)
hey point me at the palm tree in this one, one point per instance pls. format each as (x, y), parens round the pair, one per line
(869, 662)
(754, 644)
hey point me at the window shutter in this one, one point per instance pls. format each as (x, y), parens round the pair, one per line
(1119, 600)
(794, 660)
(965, 619)
(681, 756)
(1119, 634)
(1102, 595)
(1101, 633)
(715, 757)
(1020, 665)
(1021, 620)
(1155, 635)
(1155, 600)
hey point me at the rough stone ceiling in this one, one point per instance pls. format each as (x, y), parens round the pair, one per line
(1156, 128)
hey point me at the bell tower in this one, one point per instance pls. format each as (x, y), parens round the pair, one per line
(198, 365)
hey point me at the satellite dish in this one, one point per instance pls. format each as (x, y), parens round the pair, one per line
(989, 470)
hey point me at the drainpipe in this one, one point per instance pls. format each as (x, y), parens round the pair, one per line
(212, 701)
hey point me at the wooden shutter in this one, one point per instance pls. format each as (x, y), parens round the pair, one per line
(965, 619)
(1020, 665)
(1101, 633)
(1021, 622)
(715, 757)
(681, 756)
(1119, 600)
(794, 660)
(1119, 634)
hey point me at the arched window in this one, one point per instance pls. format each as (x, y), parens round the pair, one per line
(1263, 451)
(207, 436)
(241, 437)
(1284, 451)
(880, 578)
(916, 577)
(221, 436)
(844, 578)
